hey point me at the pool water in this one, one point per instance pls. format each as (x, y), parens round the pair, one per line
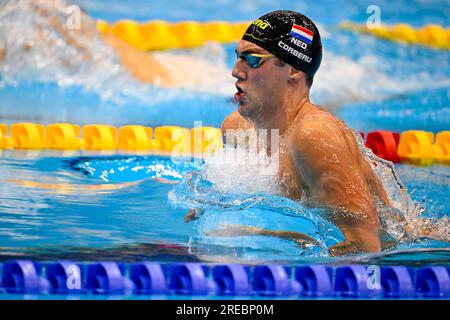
(132, 207)
(370, 83)
(122, 207)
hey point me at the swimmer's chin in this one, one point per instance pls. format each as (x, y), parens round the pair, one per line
(250, 115)
(244, 110)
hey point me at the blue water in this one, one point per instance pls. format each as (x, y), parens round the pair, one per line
(84, 207)
(91, 207)
(329, 12)
(393, 86)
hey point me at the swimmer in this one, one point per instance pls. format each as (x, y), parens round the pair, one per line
(321, 164)
(50, 27)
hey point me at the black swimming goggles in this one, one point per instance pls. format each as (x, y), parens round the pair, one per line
(254, 60)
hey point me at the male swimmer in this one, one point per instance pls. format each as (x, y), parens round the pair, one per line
(321, 164)
(50, 26)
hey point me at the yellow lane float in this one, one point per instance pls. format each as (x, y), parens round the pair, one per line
(3, 133)
(172, 139)
(27, 136)
(63, 136)
(135, 138)
(430, 35)
(162, 35)
(442, 147)
(206, 139)
(99, 137)
(415, 146)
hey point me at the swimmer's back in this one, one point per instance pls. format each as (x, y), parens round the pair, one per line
(350, 143)
(323, 128)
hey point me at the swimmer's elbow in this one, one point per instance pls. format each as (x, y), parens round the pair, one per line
(354, 247)
(357, 242)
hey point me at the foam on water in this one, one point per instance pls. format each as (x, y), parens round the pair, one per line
(36, 51)
(241, 181)
(38, 46)
(242, 171)
(202, 69)
(403, 222)
(341, 80)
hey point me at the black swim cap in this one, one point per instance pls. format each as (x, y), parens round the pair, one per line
(289, 35)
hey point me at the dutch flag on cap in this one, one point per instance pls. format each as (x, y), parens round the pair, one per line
(302, 33)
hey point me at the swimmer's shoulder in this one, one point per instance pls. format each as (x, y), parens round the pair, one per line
(320, 120)
(315, 127)
(321, 130)
(235, 121)
(315, 120)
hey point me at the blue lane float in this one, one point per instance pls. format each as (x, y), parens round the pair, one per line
(315, 280)
(232, 280)
(191, 279)
(108, 278)
(397, 282)
(274, 280)
(433, 282)
(65, 277)
(22, 277)
(353, 282)
(149, 278)
(25, 277)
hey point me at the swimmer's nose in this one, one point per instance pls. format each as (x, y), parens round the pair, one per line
(238, 71)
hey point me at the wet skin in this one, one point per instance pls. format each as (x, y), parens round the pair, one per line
(321, 164)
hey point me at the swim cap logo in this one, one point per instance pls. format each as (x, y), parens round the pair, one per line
(261, 24)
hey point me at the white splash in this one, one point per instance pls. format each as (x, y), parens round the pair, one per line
(341, 80)
(202, 69)
(243, 170)
(37, 46)
(404, 221)
(38, 50)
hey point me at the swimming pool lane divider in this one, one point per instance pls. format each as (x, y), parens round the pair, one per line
(227, 280)
(414, 146)
(430, 35)
(99, 137)
(163, 35)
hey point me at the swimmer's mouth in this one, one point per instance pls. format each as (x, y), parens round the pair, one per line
(238, 94)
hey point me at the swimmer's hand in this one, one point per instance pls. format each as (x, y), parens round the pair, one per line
(193, 214)
(230, 230)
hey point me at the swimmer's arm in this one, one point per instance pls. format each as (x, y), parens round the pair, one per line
(141, 65)
(231, 230)
(337, 183)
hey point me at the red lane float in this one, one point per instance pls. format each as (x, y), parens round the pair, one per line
(384, 144)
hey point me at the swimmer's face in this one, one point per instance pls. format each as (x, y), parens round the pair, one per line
(258, 89)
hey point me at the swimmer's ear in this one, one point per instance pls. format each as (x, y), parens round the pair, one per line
(295, 75)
